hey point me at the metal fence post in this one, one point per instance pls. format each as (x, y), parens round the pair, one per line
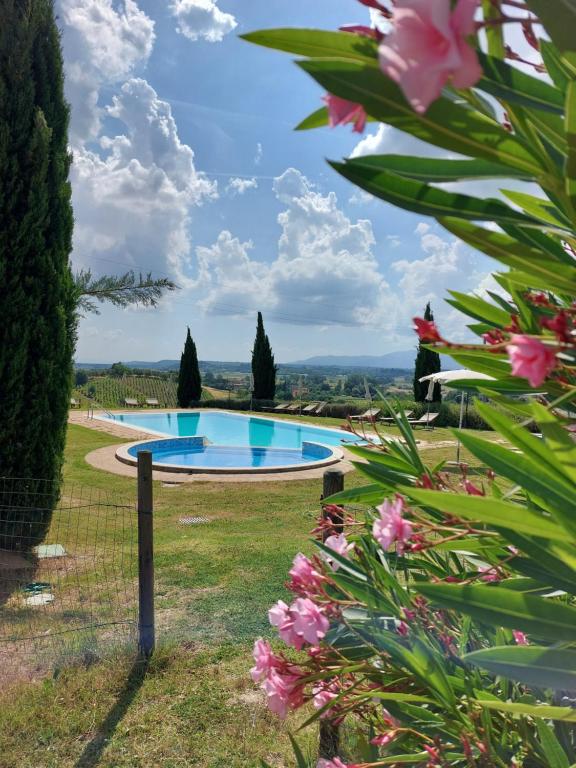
(329, 741)
(146, 633)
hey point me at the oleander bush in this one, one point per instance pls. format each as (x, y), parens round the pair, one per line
(440, 624)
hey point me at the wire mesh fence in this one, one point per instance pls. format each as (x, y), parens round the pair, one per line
(68, 575)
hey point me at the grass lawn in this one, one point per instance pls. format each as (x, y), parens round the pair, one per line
(196, 705)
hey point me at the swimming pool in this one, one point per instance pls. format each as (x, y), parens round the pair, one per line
(232, 429)
(216, 441)
(194, 454)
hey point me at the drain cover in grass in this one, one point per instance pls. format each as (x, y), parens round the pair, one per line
(193, 520)
(49, 550)
(40, 598)
(37, 586)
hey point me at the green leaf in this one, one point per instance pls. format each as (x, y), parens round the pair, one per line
(425, 199)
(432, 169)
(317, 119)
(555, 755)
(559, 20)
(566, 714)
(554, 66)
(552, 491)
(445, 124)
(570, 126)
(370, 495)
(301, 761)
(557, 438)
(364, 593)
(512, 85)
(538, 208)
(316, 43)
(538, 666)
(474, 306)
(540, 617)
(547, 274)
(493, 512)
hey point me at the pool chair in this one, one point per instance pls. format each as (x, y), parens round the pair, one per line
(311, 408)
(398, 414)
(277, 408)
(293, 408)
(370, 415)
(131, 401)
(320, 408)
(152, 402)
(426, 421)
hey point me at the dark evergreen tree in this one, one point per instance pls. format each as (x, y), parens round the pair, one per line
(37, 306)
(189, 380)
(427, 362)
(263, 368)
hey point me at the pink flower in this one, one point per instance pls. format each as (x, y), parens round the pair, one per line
(323, 693)
(283, 692)
(334, 763)
(383, 739)
(531, 359)
(302, 622)
(426, 330)
(520, 637)
(305, 579)
(489, 573)
(341, 112)
(265, 661)
(340, 545)
(472, 490)
(427, 48)
(390, 527)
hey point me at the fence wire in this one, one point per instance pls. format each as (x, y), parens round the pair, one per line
(70, 592)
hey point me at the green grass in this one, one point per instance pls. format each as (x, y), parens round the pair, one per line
(196, 705)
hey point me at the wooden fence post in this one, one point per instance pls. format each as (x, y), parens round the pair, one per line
(146, 631)
(329, 742)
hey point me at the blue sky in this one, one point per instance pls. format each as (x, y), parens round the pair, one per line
(186, 163)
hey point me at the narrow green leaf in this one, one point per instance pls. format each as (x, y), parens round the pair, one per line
(534, 665)
(512, 85)
(555, 755)
(431, 169)
(366, 494)
(566, 714)
(301, 761)
(540, 617)
(317, 119)
(554, 66)
(570, 126)
(445, 124)
(316, 43)
(557, 438)
(493, 512)
(559, 20)
(474, 306)
(425, 199)
(538, 208)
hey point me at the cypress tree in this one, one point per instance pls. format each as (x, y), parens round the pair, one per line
(427, 362)
(189, 380)
(37, 332)
(263, 368)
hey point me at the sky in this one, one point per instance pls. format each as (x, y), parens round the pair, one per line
(186, 164)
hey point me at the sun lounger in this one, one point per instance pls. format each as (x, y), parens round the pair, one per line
(426, 421)
(277, 408)
(152, 401)
(131, 401)
(74, 403)
(311, 408)
(370, 415)
(407, 414)
(320, 408)
(293, 408)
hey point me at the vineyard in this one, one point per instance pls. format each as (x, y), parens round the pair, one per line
(111, 392)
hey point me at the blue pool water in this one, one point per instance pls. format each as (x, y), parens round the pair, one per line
(186, 453)
(231, 429)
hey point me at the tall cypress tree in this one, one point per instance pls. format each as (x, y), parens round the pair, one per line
(189, 380)
(263, 368)
(427, 362)
(37, 305)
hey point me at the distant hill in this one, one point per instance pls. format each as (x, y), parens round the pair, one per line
(404, 359)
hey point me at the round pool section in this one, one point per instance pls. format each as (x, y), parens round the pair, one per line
(196, 454)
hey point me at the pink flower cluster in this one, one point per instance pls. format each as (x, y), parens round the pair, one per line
(334, 763)
(323, 693)
(339, 544)
(280, 680)
(531, 359)
(391, 527)
(428, 47)
(305, 580)
(300, 623)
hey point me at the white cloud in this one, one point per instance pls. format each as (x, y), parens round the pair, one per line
(103, 43)
(259, 154)
(132, 201)
(238, 186)
(325, 272)
(202, 20)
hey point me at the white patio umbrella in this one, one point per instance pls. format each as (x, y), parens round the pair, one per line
(445, 377)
